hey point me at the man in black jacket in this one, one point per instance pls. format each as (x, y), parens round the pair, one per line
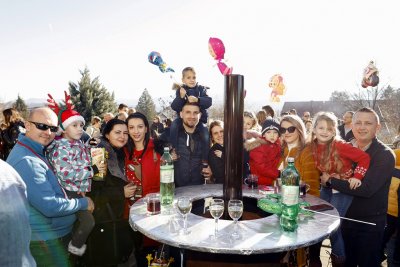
(345, 129)
(370, 202)
(191, 148)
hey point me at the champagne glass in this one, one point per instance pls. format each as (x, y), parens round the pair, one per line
(235, 210)
(216, 210)
(184, 207)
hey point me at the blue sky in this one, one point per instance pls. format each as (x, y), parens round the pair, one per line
(317, 46)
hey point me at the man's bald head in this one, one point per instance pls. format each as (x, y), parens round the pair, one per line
(44, 116)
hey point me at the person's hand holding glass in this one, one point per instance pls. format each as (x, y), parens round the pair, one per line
(235, 210)
(206, 172)
(216, 211)
(184, 205)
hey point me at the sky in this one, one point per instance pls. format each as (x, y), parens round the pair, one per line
(317, 46)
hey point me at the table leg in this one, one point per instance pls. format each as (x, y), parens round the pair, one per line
(182, 254)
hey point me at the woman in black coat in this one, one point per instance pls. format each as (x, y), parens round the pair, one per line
(111, 242)
(216, 153)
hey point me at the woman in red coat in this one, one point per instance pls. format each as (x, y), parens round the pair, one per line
(142, 163)
(142, 167)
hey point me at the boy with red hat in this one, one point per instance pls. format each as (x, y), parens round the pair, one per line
(70, 159)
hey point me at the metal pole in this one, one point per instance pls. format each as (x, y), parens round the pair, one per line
(233, 138)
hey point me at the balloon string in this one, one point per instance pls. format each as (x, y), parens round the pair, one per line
(344, 218)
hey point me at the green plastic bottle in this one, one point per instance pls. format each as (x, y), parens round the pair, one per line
(290, 197)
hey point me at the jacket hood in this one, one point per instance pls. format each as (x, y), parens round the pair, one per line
(254, 143)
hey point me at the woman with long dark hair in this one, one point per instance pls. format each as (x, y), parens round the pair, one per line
(142, 161)
(142, 165)
(15, 125)
(112, 240)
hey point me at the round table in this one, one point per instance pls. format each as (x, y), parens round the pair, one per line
(258, 236)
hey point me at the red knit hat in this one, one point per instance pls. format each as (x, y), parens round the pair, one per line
(67, 115)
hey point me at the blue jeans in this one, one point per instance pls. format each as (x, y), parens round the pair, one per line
(341, 202)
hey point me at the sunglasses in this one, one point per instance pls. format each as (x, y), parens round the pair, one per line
(290, 129)
(45, 127)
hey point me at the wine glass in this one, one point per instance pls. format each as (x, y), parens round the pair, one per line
(235, 210)
(204, 165)
(216, 210)
(184, 207)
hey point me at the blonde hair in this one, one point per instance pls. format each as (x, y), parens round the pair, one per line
(330, 151)
(298, 123)
(252, 116)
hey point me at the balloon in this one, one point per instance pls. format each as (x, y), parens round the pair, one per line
(278, 88)
(156, 59)
(217, 50)
(370, 77)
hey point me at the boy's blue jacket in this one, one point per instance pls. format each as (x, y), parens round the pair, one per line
(198, 91)
(51, 214)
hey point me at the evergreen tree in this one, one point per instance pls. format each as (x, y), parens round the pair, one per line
(146, 105)
(21, 106)
(90, 97)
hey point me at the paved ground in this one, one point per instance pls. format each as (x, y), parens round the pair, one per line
(326, 249)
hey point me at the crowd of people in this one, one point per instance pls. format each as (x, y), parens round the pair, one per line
(78, 210)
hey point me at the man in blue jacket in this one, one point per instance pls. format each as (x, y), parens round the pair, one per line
(51, 213)
(191, 148)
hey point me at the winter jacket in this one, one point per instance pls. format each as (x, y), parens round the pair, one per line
(393, 206)
(51, 213)
(191, 149)
(346, 137)
(370, 199)
(150, 166)
(264, 159)
(10, 136)
(198, 91)
(347, 154)
(71, 163)
(305, 165)
(217, 164)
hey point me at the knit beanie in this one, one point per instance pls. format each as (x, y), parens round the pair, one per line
(270, 124)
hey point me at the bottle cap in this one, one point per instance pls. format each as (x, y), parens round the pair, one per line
(290, 160)
(166, 149)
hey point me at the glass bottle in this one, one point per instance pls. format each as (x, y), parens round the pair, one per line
(290, 197)
(167, 185)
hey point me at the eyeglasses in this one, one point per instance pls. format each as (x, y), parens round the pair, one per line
(45, 127)
(290, 129)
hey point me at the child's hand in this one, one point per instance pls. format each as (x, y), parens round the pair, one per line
(193, 99)
(354, 183)
(182, 92)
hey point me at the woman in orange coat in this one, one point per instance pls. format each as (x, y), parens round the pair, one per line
(294, 145)
(293, 134)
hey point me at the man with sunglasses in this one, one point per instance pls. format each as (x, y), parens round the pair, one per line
(51, 213)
